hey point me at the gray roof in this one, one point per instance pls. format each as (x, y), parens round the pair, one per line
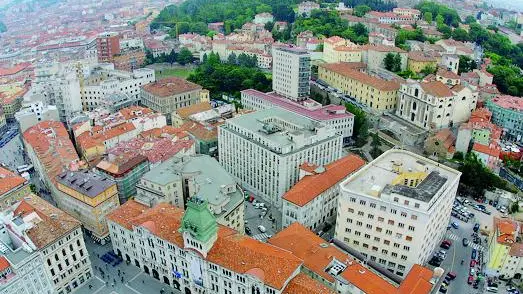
(424, 191)
(207, 173)
(85, 182)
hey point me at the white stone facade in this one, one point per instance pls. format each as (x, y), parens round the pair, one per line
(263, 150)
(383, 218)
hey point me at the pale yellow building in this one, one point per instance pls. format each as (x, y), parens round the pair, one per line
(419, 60)
(337, 49)
(13, 188)
(181, 115)
(376, 93)
(88, 197)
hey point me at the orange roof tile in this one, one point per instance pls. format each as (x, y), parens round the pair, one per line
(311, 186)
(447, 74)
(134, 111)
(231, 250)
(201, 132)
(305, 284)
(346, 70)
(53, 224)
(417, 281)
(492, 150)
(422, 56)
(516, 250)
(4, 263)
(185, 112)
(9, 180)
(170, 86)
(437, 89)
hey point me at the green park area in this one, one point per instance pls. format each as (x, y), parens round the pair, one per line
(173, 72)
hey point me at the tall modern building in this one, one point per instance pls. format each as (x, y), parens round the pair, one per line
(396, 209)
(507, 112)
(263, 150)
(107, 45)
(291, 71)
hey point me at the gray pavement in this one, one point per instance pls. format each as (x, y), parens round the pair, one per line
(12, 153)
(122, 278)
(253, 219)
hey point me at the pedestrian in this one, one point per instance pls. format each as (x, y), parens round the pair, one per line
(143, 281)
(90, 286)
(122, 280)
(112, 285)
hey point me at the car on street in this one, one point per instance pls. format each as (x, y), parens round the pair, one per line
(472, 271)
(465, 242)
(470, 280)
(435, 262)
(474, 254)
(443, 289)
(492, 289)
(455, 225)
(473, 263)
(475, 285)
(451, 275)
(442, 253)
(445, 244)
(248, 231)
(512, 290)
(476, 227)
(262, 229)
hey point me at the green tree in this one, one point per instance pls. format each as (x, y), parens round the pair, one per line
(429, 69)
(361, 125)
(466, 64)
(460, 35)
(428, 17)
(185, 56)
(476, 178)
(397, 63)
(515, 207)
(388, 61)
(263, 8)
(361, 10)
(440, 20)
(171, 58)
(269, 26)
(375, 151)
(470, 19)
(232, 58)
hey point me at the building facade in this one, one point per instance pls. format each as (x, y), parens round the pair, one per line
(396, 209)
(312, 201)
(263, 150)
(125, 170)
(507, 113)
(291, 72)
(170, 94)
(12, 188)
(107, 45)
(33, 113)
(376, 93)
(89, 198)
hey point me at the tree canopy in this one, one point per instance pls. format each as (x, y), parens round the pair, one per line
(234, 13)
(449, 16)
(361, 124)
(328, 24)
(478, 178)
(224, 78)
(377, 5)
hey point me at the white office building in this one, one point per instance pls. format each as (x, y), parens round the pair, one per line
(291, 71)
(103, 81)
(396, 209)
(263, 150)
(32, 113)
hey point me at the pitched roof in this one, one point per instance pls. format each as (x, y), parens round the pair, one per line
(201, 132)
(231, 250)
(9, 180)
(311, 186)
(383, 48)
(52, 224)
(170, 86)
(302, 283)
(424, 56)
(447, 74)
(436, 88)
(185, 112)
(516, 250)
(118, 165)
(4, 263)
(347, 70)
(492, 150)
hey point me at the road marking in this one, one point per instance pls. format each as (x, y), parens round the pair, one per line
(132, 289)
(261, 236)
(104, 285)
(453, 257)
(134, 277)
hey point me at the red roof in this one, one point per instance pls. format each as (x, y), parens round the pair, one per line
(492, 150)
(311, 186)
(4, 263)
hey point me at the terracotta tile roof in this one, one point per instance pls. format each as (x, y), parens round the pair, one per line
(134, 111)
(51, 143)
(346, 70)
(119, 165)
(305, 284)
(480, 114)
(14, 70)
(201, 132)
(492, 150)
(334, 40)
(231, 250)
(308, 167)
(170, 86)
(516, 250)
(164, 132)
(9, 180)
(446, 137)
(4, 263)
(417, 281)
(423, 56)
(315, 252)
(52, 224)
(185, 112)
(447, 74)
(98, 135)
(347, 48)
(312, 186)
(437, 89)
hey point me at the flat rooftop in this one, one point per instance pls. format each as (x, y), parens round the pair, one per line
(320, 113)
(377, 177)
(85, 182)
(275, 126)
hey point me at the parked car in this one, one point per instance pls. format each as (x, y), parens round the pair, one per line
(465, 242)
(473, 263)
(476, 227)
(474, 254)
(262, 229)
(454, 225)
(470, 280)
(451, 275)
(248, 231)
(443, 289)
(492, 289)
(472, 271)
(475, 285)
(435, 262)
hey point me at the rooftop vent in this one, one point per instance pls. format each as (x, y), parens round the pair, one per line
(324, 245)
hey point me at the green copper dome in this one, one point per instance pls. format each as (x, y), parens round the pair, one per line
(198, 220)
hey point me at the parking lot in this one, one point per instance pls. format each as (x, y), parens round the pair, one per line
(268, 217)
